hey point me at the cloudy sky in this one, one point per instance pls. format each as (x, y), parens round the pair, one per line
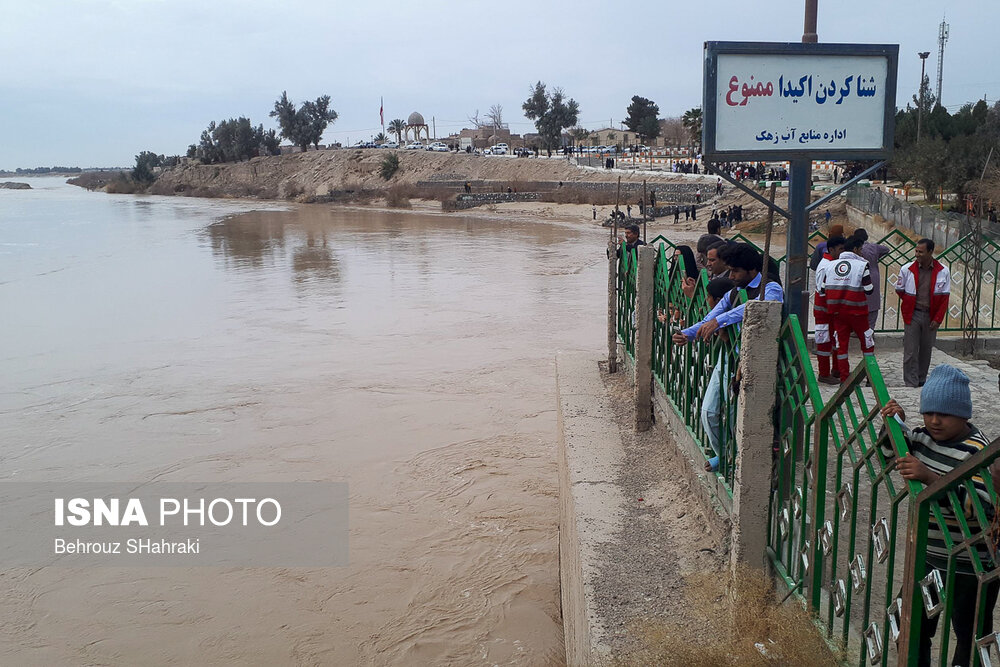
(93, 82)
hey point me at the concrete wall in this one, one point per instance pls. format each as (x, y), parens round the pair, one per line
(590, 503)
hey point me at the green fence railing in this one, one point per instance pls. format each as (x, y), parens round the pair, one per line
(841, 520)
(932, 592)
(628, 266)
(696, 377)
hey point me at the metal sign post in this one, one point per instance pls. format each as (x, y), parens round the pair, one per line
(798, 102)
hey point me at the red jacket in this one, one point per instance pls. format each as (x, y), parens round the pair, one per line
(846, 285)
(906, 288)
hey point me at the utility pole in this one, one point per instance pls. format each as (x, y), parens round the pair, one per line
(920, 110)
(809, 35)
(799, 194)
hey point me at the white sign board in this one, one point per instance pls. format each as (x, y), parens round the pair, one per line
(771, 102)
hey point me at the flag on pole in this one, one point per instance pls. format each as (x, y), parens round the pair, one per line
(381, 117)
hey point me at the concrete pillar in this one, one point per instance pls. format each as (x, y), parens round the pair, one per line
(754, 433)
(644, 338)
(612, 306)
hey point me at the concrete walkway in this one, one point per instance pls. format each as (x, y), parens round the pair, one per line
(985, 393)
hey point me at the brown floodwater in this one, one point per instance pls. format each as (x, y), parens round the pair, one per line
(410, 355)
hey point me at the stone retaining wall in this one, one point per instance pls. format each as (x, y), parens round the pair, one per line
(466, 201)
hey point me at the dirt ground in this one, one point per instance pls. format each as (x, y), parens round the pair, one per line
(665, 590)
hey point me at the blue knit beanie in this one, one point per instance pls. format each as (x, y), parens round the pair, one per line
(946, 391)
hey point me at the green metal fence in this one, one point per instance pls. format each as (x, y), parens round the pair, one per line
(686, 373)
(931, 592)
(841, 520)
(835, 510)
(628, 266)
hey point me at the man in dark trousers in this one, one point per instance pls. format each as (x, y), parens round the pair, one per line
(924, 287)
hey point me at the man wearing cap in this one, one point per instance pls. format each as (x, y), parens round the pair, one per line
(924, 287)
(946, 440)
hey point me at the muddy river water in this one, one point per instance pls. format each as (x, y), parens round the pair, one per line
(410, 355)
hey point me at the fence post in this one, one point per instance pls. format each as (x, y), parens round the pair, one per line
(754, 433)
(613, 306)
(644, 338)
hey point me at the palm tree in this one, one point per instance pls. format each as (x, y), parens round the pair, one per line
(579, 135)
(692, 121)
(397, 127)
(380, 138)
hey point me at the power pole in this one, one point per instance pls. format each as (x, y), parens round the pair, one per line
(799, 191)
(942, 40)
(809, 35)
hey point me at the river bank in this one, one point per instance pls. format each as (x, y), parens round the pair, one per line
(329, 175)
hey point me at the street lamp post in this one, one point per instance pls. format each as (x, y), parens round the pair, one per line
(920, 111)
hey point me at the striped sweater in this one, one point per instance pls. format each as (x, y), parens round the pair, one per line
(942, 457)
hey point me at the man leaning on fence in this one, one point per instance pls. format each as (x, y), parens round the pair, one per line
(744, 270)
(924, 287)
(944, 442)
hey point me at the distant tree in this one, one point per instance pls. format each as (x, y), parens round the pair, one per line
(579, 135)
(145, 162)
(305, 125)
(380, 138)
(649, 128)
(673, 131)
(692, 121)
(552, 114)
(926, 162)
(476, 121)
(641, 118)
(495, 117)
(234, 140)
(397, 127)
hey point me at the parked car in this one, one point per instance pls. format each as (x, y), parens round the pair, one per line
(501, 149)
(415, 146)
(438, 147)
(389, 144)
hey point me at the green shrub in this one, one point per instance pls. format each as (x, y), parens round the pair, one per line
(390, 165)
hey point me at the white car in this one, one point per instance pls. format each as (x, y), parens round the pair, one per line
(438, 147)
(500, 149)
(414, 146)
(389, 144)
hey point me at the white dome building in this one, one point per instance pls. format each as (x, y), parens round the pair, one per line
(415, 123)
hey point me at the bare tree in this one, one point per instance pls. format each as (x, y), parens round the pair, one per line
(495, 116)
(673, 131)
(476, 121)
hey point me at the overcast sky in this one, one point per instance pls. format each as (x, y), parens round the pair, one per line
(93, 82)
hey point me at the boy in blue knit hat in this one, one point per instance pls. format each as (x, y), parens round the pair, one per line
(946, 439)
